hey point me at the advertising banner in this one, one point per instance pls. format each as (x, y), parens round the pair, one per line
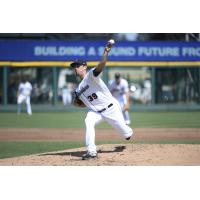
(26, 50)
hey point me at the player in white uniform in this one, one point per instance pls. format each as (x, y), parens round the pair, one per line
(120, 90)
(102, 105)
(23, 94)
(66, 95)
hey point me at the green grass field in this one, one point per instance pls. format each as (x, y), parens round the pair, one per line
(14, 149)
(76, 120)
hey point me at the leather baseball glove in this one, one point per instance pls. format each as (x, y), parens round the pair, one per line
(76, 101)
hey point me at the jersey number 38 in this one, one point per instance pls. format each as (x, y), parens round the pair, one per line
(92, 97)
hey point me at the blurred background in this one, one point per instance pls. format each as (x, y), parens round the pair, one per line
(163, 70)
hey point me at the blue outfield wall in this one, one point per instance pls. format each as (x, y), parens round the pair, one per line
(28, 50)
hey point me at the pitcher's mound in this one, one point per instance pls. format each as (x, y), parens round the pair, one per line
(116, 154)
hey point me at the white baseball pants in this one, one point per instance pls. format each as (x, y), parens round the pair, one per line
(113, 116)
(122, 101)
(67, 99)
(20, 100)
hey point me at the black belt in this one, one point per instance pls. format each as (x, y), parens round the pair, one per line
(100, 111)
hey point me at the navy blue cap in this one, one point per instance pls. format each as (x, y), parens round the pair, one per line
(77, 63)
(117, 75)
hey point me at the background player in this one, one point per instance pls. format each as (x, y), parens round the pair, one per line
(120, 90)
(23, 94)
(93, 92)
(66, 95)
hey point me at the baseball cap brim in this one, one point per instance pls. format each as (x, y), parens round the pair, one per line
(77, 63)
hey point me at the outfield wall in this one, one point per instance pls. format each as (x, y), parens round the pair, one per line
(170, 69)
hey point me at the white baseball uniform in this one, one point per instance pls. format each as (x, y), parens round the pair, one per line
(102, 106)
(119, 92)
(66, 96)
(24, 95)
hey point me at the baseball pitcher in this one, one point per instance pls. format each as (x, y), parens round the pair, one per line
(94, 94)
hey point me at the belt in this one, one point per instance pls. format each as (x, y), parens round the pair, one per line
(100, 111)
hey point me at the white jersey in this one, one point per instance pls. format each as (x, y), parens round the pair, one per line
(93, 92)
(119, 90)
(25, 88)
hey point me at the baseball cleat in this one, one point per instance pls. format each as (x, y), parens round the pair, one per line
(89, 155)
(128, 138)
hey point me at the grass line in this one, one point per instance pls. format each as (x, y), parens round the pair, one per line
(14, 149)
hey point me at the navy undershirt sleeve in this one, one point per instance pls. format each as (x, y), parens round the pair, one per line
(96, 73)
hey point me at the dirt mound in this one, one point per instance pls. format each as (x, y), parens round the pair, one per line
(117, 155)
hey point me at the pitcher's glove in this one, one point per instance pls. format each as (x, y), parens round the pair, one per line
(76, 101)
